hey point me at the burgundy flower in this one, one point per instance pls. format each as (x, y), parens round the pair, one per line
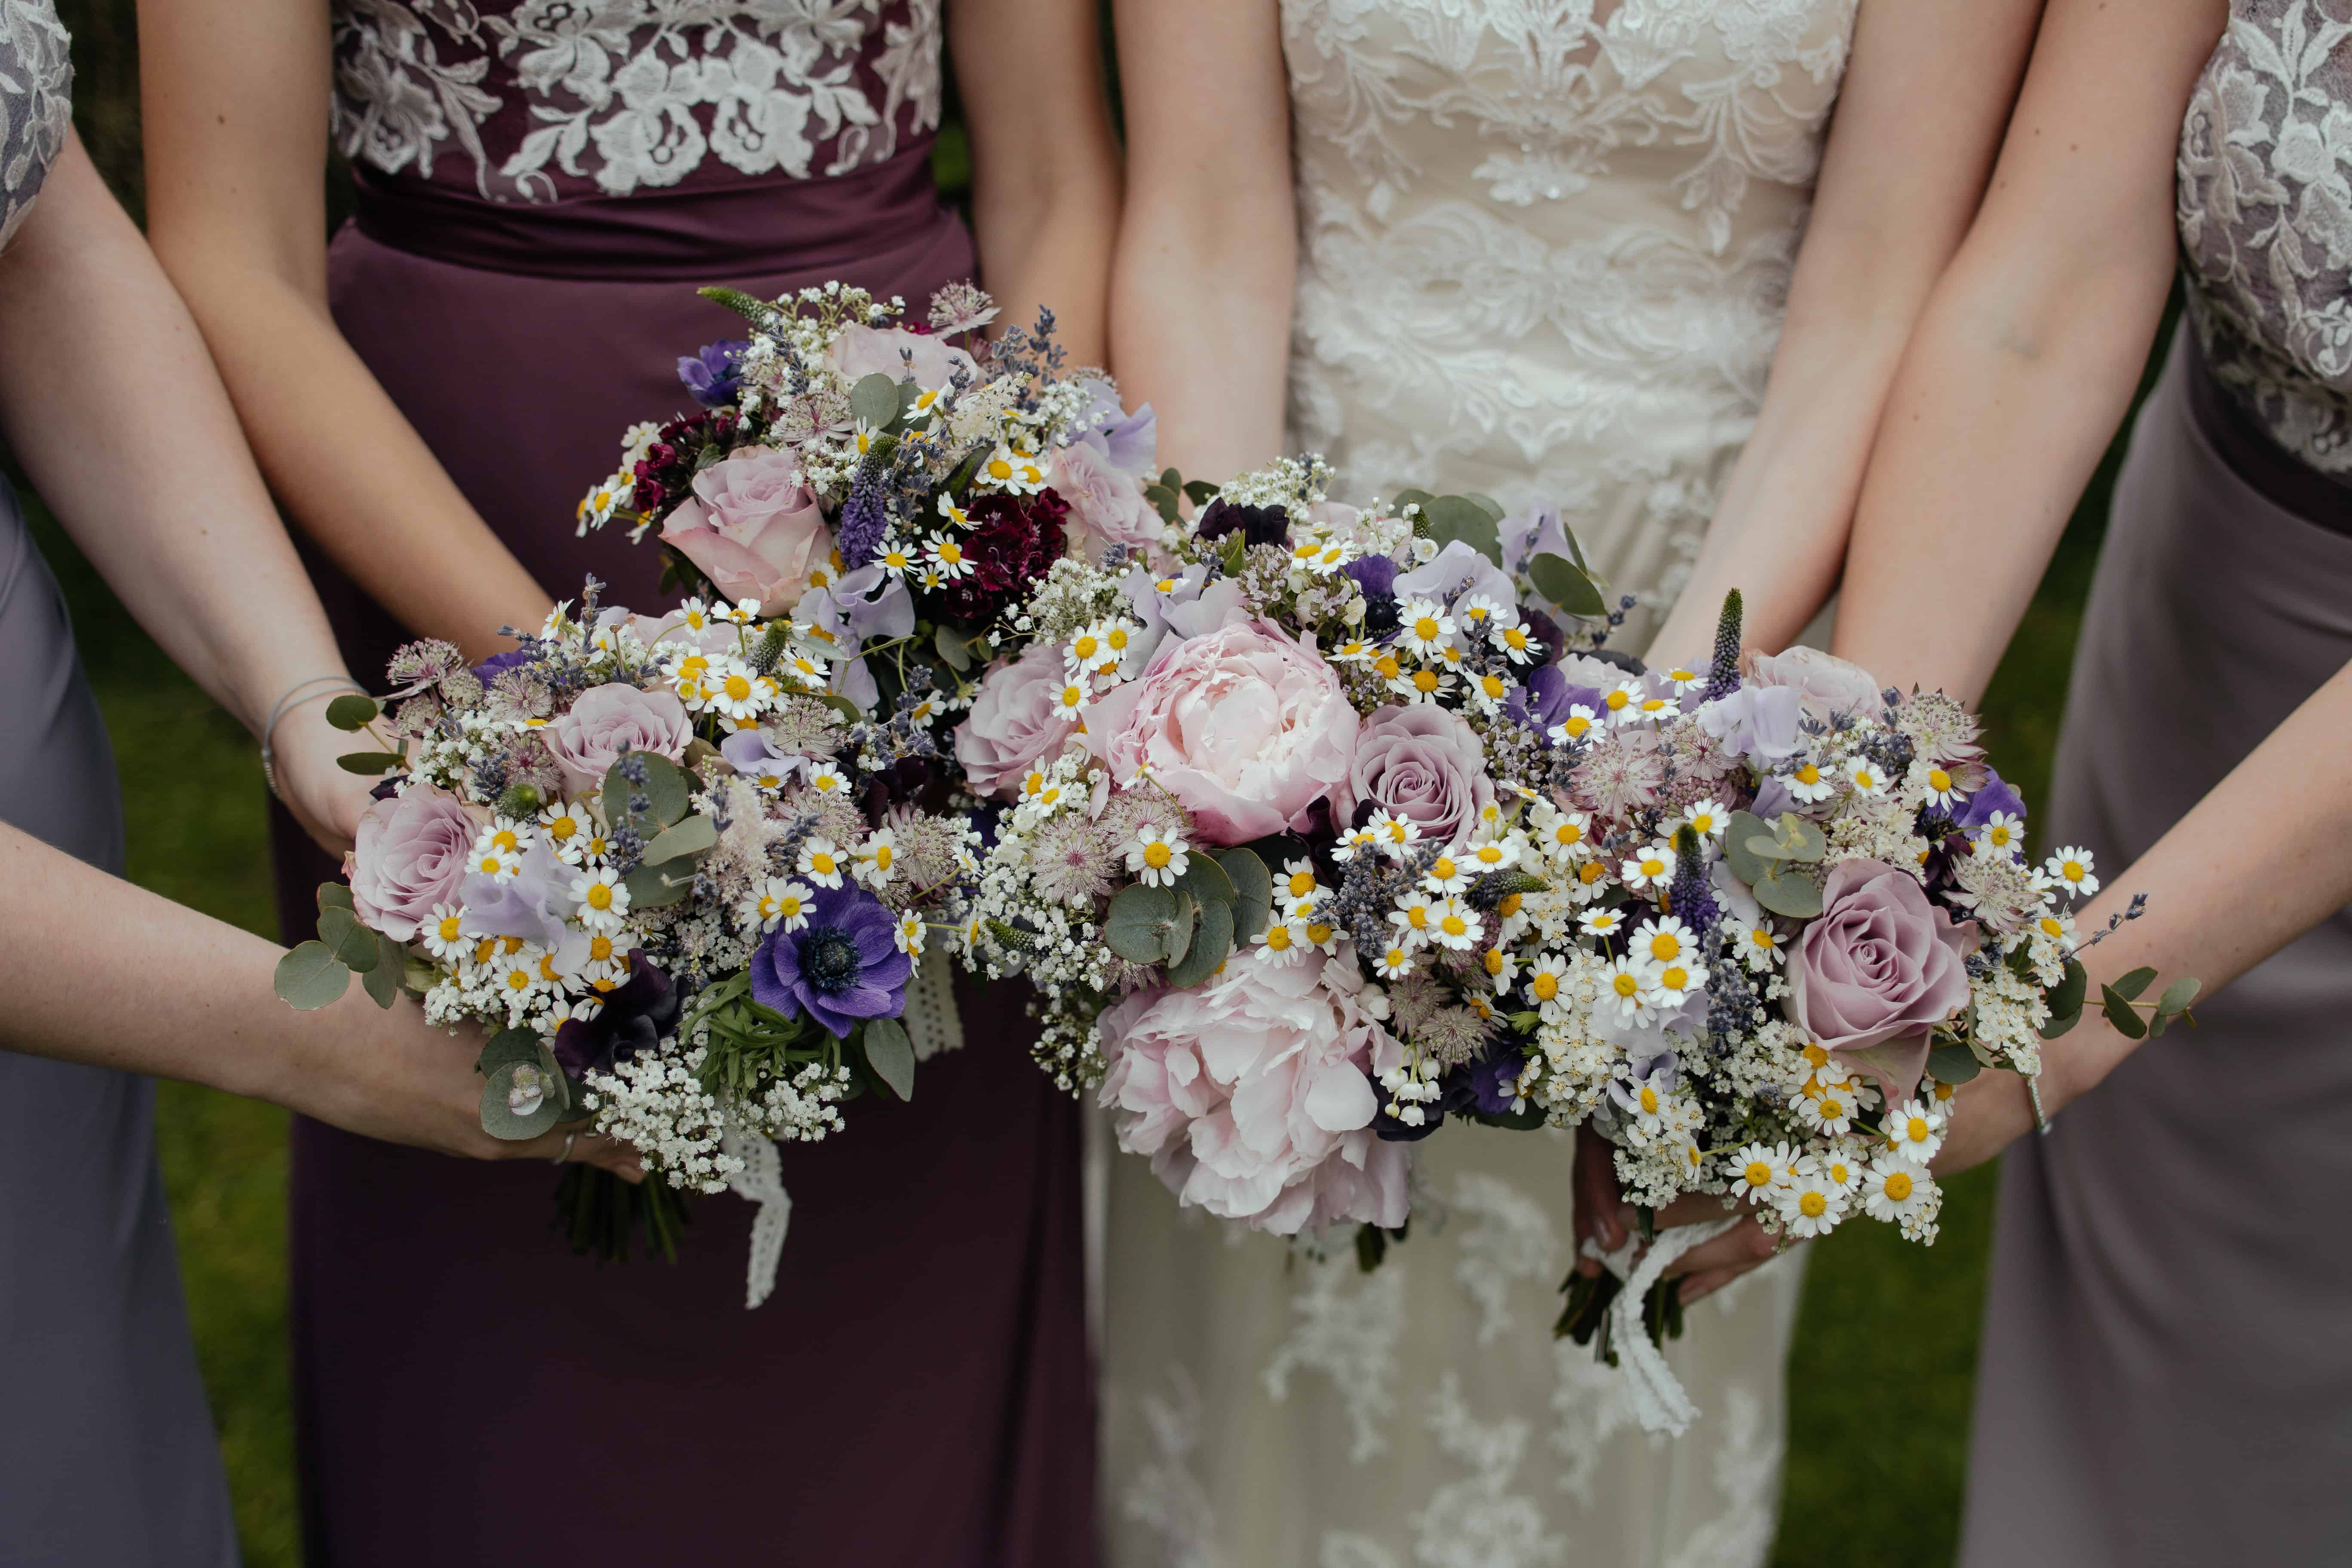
(1014, 540)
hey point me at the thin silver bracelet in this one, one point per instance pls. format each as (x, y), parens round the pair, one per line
(301, 691)
(2034, 1093)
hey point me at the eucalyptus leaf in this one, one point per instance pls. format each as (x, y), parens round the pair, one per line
(1201, 492)
(1790, 893)
(1565, 583)
(1487, 504)
(2178, 996)
(952, 649)
(1254, 886)
(2066, 998)
(874, 400)
(336, 894)
(907, 393)
(382, 982)
(521, 1101)
(1803, 840)
(311, 977)
(1746, 864)
(2121, 1013)
(1451, 517)
(1212, 944)
(1172, 478)
(1163, 499)
(353, 945)
(1954, 1064)
(506, 1045)
(1206, 880)
(841, 705)
(693, 836)
(665, 788)
(890, 1054)
(1182, 925)
(352, 712)
(1575, 551)
(367, 765)
(1135, 927)
(2129, 986)
(652, 886)
(2058, 1027)
(1404, 498)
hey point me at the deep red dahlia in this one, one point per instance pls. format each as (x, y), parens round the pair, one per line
(1014, 540)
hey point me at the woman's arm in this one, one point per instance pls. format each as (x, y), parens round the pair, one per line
(100, 971)
(108, 400)
(1044, 170)
(1200, 285)
(2231, 883)
(236, 96)
(1919, 120)
(2031, 349)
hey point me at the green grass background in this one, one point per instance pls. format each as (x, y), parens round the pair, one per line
(1885, 1348)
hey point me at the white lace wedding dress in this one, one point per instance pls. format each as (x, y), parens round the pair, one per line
(1546, 245)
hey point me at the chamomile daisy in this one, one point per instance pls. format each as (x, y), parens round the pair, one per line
(1914, 1131)
(1666, 940)
(1546, 981)
(1808, 784)
(568, 828)
(878, 858)
(2003, 833)
(1455, 924)
(600, 898)
(1651, 870)
(1158, 856)
(823, 862)
(1424, 627)
(1627, 987)
(2071, 869)
(1896, 1189)
(777, 902)
(1576, 728)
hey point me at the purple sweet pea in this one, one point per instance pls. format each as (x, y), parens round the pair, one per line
(711, 375)
(842, 968)
(1495, 1082)
(498, 664)
(1995, 795)
(1546, 698)
(1759, 722)
(634, 1018)
(523, 905)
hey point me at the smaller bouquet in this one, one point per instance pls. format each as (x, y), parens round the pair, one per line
(665, 867)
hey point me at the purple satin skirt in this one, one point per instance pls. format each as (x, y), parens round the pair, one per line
(916, 1392)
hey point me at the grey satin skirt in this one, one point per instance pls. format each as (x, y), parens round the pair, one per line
(2167, 1368)
(107, 1449)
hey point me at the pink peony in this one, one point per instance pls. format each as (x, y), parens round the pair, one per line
(861, 351)
(1106, 504)
(409, 855)
(1013, 722)
(752, 526)
(606, 724)
(1826, 683)
(1879, 968)
(1246, 728)
(1253, 1096)
(1425, 764)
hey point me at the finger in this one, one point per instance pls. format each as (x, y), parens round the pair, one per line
(1699, 1287)
(611, 1155)
(1692, 1208)
(1741, 1248)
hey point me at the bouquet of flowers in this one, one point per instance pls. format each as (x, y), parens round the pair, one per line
(655, 860)
(1322, 825)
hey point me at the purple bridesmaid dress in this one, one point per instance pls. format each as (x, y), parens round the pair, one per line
(542, 187)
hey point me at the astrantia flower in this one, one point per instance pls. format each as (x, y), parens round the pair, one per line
(1653, 867)
(2071, 869)
(842, 968)
(1158, 856)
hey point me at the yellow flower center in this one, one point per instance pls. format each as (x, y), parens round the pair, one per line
(1493, 961)
(1568, 836)
(1425, 628)
(1665, 945)
(1157, 857)
(1508, 905)
(1813, 1205)
(882, 857)
(1425, 681)
(600, 949)
(1653, 867)
(1318, 933)
(1085, 647)
(1898, 1185)
(739, 688)
(950, 551)
(1616, 701)
(1301, 884)
(561, 828)
(1759, 1174)
(1547, 986)
(1938, 780)
(821, 863)
(600, 896)
(1761, 937)
(1649, 1099)
(1388, 668)
(1279, 938)
(490, 863)
(1809, 775)
(448, 928)
(1627, 986)
(1832, 1107)
(2071, 871)
(1816, 1058)
(1674, 978)
(1453, 925)
(999, 469)
(1590, 872)
(1492, 685)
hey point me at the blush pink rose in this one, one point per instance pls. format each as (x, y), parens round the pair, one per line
(606, 724)
(1106, 504)
(1246, 727)
(752, 526)
(1424, 763)
(1013, 722)
(1824, 682)
(408, 855)
(1254, 1098)
(1879, 968)
(861, 351)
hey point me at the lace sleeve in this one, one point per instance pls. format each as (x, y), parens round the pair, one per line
(36, 103)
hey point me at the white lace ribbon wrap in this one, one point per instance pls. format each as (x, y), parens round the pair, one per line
(933, 1027)
(1659, 1402)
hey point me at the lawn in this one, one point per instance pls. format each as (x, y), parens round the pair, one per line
(1878, 1419)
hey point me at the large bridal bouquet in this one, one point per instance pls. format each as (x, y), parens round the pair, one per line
(655, 860)
(1320, 826)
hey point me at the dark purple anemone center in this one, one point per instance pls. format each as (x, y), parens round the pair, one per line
(829, 960)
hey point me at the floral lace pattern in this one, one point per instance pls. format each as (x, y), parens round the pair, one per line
(2265, 212)
(1547, 244)
(547, 99)
(36, 103)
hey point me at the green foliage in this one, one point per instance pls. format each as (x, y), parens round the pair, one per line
(1566, 584)
(1252, 890)
(1140, 924)
(890, 1054)
(351, 711)
(1449, 518)
(1212, 943)
(368, 764)
(874, 400)
(353, 945)
(311, 977)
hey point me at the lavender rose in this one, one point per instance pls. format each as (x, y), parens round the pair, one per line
(1106, 504)
(1013, 722)
(606, 724)
(409, 855)
(752, 526)
(1425, 763)
(1826, 683)
(1246, 727)
(1879, 968)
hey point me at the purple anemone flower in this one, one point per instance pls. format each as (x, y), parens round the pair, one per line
(841, 968)
(711, 374)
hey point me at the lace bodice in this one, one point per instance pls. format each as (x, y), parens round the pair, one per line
(1547, 244)
(548, 99)
(36, 103)
(2265, 210)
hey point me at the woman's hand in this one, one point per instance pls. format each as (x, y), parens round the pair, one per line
(325, 798)
(387, 1073)
(1603, 1214)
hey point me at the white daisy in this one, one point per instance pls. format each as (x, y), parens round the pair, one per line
(1914, 1131)
(1684, 681)
(777, 901)
(569, 829)
(1653, 867)
(1494, 854)
(1863, 777)
(1424, 627)
(498, 853)
(1157, 856)
(1940, 789)
(825, 778)
(1455, 924)
(1576, 727)
(1707, 818)
(1896, 1189)
(1808, 784)
(822, 862)
(1840, 1166)
(1278, 944)
(1666, 940)
(1395, 964)
(947, 556)
(2071, 869)
(877, 858)
(733, 691)
(2003, 833)
(443, 933)
(1414, 916)
(1602, 923)
(1758, 946)
(1811, 1207)
(1566, 836)
(1628, 985)
(1547, 977)
(908, 935)
(1502, 967)
(601, 899)
(1759, 1170)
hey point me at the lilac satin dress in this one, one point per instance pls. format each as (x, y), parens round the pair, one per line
(542, 188)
